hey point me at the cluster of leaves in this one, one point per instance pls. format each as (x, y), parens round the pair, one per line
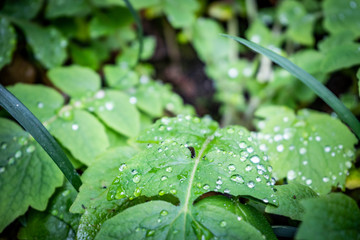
(114, 115)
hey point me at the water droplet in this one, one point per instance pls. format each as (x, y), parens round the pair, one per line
(302, 151)
(2, 169)
(40, 105)
(22, 141)
(348, 164)
(326, 179)
(255, 159)
(248, 168)
(18, 154)
(280, 148)
(278, 137)
(54, 212)
(75, 127)
(3, 145)
(250, 149)
(226, 190)
(258, 179)
(219, 181)
(122, 167)
(255, 39)
(233, 73)
(242, 145)
(150, 233)
(327, 149)
(318, 138)
(136, 178)
(239, 218)
(137, 192)
(109, 106)
(30, 149)
(163, 178)
(223, 224)
(251, 184)
(100, 94)
(270, 168)
(164, 213)
(353, 4)
(265, 200)
(173, 191)
(161, 193)
(160, 150)
(237, 178)
(149, 145)
(206, 187)
(134, 171)
(308, 181)
(133, 100)
(291, 175)
(169, 169)
(263, 147)
(231, 167)
(305, 162)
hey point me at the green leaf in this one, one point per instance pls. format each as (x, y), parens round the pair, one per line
(289, 197)
(67, 8)
(115, 109)
(187, 157)
(28, 176)
(74, 80)
(259, 33)
(336, 40)
(42, 101)
(24, 9)
(290, 11)
(83, 135)
(7, 42)
(320, 147)
(301, 31)
(335, 216)
(162, 220)
(56, 222)
(41, 225)
(342, 15)
(48, 44)
(30, 123)
(341, 56)
(324, 93)
(85, 56)
(120, 77)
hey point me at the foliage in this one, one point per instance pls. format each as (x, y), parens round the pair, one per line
(149, 167)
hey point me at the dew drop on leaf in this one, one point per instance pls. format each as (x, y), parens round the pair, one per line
(206, 187)
(327, 149)
(173, 191)
(223, 224)
(22, 141)
(163, 178)
(237, 178)
(164, 213)
(150, 233)
(280, 148)
(251, 184)
(231, 167)
(137, 192)
(308, 181)
(30, 149)
(255, 159)
(122, 167)
(168, 169)
(40, 105)
(137, 178)
(161, 193)
(109, 106)
(302, 151)
(3, 145)
(248, 168)
(326, 179)
(75, 127)
(18, 154)
(242, 145)
(291, 175)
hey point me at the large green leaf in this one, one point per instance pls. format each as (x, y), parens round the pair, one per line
(42, 101)
(115, 109)
(7, 42)
(342, 15)
(28, 176)
(76, 81)
(310, 147)
(81, 133)
(185, 158)
(289, 197)
(25, 9)
(48, 44)
(67, 8)
(335, 216)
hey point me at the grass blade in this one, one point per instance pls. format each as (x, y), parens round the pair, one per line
(323, 92)
(31, 124)
(140, 31)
